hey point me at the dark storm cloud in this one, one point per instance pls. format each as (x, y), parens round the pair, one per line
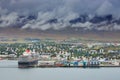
(64, 10)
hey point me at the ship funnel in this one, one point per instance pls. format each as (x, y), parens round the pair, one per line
(28, 51)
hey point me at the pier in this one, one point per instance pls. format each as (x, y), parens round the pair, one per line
(77, 64)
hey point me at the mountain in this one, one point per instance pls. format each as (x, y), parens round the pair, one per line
(82, 22)
(104, 28)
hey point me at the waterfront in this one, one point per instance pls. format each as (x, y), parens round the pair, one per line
(9, 71)
(65, 53)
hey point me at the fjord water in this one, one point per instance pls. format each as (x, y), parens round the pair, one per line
(9, 71)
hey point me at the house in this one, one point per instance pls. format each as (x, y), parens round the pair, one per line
(45, 55)
(101, 51)
(93, 52)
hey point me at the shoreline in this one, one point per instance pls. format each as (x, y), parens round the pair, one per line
(71, 67)
(67, 66)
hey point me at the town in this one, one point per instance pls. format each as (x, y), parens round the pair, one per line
(65, 52)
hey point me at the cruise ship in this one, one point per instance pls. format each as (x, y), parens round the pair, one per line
(28, 59)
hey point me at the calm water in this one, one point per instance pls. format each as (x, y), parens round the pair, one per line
(9, 71)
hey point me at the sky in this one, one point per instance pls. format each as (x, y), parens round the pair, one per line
(78, 6)
(65, 10)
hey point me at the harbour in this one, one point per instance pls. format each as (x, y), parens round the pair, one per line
(33, 59)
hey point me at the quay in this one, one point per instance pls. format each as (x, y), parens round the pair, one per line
(92, 64)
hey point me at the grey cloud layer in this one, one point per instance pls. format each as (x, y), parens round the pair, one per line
(79, 6)
(63, 10)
